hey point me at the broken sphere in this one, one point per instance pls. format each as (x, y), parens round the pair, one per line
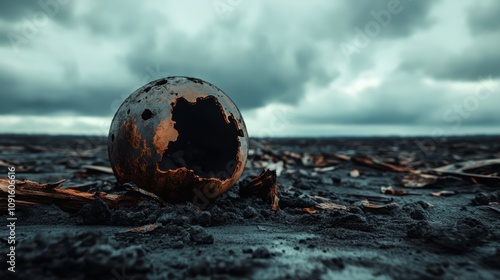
(180, 138)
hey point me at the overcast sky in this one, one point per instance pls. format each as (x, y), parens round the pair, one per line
(294, 68)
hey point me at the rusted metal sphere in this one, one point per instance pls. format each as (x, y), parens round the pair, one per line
(180, 138)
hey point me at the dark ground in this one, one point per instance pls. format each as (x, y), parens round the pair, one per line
(423, 237)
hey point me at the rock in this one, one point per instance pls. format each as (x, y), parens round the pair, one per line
(261, 253)
(200, 236)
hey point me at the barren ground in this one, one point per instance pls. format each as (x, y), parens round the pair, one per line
(417, 236)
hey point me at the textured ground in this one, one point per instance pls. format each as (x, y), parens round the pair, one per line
(415, 236)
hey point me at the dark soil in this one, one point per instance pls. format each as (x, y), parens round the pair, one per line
(419, 237)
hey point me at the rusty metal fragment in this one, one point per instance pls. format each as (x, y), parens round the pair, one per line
(180, 138)
(263, 186)
(31, 193)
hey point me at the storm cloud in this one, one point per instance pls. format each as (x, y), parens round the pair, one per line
(408, 62)
(475, 60)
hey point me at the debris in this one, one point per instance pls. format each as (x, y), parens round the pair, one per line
(200, 235)
(426, 204)
(324, 169)
(263, 186)
(354, 173)
(443, 193)
(376, 198)
(320, 198)
(417, 180)
(94, 169)
(483, 167)
(318, 160)
(131, 186)
(36, 149)
(331, 206)
(5, 164)
(278, 167)
(485, 172)
(292, 155)
(30, 193)
(178, 137)
(142, 229)
(11, 148)
(52, 185)
(365, 204)
(391, 191)
(373, 163)
(310, 211)
(341, 157)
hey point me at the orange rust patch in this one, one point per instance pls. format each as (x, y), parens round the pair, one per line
(164, 134)
(191, 94)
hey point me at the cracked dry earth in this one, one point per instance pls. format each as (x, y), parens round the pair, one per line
(327, 226)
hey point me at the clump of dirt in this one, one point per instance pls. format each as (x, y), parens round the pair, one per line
(78, 255)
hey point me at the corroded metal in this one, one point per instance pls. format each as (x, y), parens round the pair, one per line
(180, 138)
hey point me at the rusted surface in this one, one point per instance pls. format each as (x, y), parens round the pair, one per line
(180, 138)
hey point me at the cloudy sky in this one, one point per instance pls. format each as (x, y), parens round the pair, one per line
(294, 68)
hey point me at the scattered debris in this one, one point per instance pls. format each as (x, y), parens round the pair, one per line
(142, 229)
(330, 206)
(318, 160)
(354, 173)
(30, 193)
(417, 180)
(365, 204)
(391, 191)
(426, 204)
(324, 169)
(94, 169)
(320, 198)
(443, 193)
(5, 164)
(133, 187)
(310, 210)
(310, 227)
(376, 164)
(263, 186)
